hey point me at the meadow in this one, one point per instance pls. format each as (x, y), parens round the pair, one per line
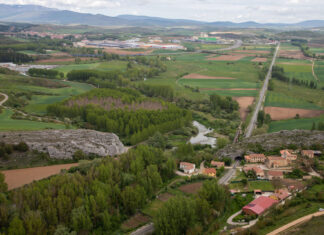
(9, 124)
(299, 71)
(277, 99)
(101, 66)
(319, 71)
(293, 124)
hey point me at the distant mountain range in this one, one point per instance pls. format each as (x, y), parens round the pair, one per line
(42, 15)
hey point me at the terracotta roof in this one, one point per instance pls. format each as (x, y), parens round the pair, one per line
(210, 171)
(259, 205)
(282, 194)
(276, 158)
(275, 173)
(307, 152)
(187, 165)
(215, 163)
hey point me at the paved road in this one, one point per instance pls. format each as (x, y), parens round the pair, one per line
(229, 175)
(296, 222)
(146, 229)
(4, 100)
(263, 92)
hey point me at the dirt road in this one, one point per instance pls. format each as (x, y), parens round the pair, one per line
(296, 222)
(4, 100)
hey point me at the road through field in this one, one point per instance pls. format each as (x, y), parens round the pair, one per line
(228, 176)
(263, 92)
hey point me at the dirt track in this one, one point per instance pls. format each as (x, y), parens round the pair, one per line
(296, 222)
(199, 76)
(244, 103)
(279, 113)
(20, 177)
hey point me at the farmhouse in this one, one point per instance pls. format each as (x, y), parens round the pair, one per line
(287, 154)
(253, 158)
(187, 167)
(217, 164)
(259, 205)
(275, 175)
(307, 153)
(280, 194)
(210, 172)
(276, 161)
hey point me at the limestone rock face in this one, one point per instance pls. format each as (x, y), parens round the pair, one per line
(62, 144)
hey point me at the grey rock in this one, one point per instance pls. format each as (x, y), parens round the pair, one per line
(62, 144)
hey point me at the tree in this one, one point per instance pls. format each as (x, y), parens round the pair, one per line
(261, 117)
(228, 161)
(80, 219)
(16, 227)
(157, 141)
(3, 184)
(21, 147)
(175, 216)
(222, 142)
(79, 155)
(62, 230)
(313, 126)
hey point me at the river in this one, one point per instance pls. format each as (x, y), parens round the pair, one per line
(201, 138)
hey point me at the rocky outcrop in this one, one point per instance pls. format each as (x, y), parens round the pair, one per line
(62, 144)
(272, 141)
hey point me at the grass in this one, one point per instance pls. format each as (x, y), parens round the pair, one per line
(277, 99)
(292, 214)
(300, 71)
(217, 83)
(303, 124)
(101, 66)
(319, 71)
(238, 93)
(252, 185)
(9, 124)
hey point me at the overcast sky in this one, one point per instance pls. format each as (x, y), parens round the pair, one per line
(263, 11)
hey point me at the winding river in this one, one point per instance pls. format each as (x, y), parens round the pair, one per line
(201, 138)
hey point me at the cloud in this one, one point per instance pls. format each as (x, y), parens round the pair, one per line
(208, 10)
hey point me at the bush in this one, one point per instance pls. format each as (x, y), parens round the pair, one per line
(21, 147)
(79, 155)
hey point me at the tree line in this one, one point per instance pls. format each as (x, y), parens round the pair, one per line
(94, 198)
(279, 73)
(163, 91)
(132, 125)
(14, 57)
(49, 73)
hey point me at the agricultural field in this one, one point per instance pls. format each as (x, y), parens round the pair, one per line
(101, 66)
(42, 91)
(287, 101)
(9, 124)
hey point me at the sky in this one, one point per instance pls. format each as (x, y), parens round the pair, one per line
(262, 11)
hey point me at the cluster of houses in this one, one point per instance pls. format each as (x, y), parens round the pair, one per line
(190, 168)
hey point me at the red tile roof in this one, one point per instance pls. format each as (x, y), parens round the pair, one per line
(259, 205)
(210, 171)
(275, 173)
(215, 163)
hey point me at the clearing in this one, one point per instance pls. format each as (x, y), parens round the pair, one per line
(20, 177)
(279, 113)
(191, 188)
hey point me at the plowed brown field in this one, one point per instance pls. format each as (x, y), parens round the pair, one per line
(199, 76)
(244, 103)
(228, 57)
(279, 113)
(20, 177)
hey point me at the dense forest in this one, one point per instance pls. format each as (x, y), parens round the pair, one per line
(14, 57)
(91, 199)
(123, 111)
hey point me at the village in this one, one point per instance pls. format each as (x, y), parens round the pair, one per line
(270, 180)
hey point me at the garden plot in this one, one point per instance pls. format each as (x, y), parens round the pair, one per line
(279, 113)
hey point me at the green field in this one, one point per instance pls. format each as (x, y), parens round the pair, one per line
(277, 99)
(8, 124)
(301, 71)
(303, 124)
(101, 66)
(42, 94)
(238, 93)
(217, 83)
(319, 71)
(38, 103)
(317, 49)
(246, 73)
